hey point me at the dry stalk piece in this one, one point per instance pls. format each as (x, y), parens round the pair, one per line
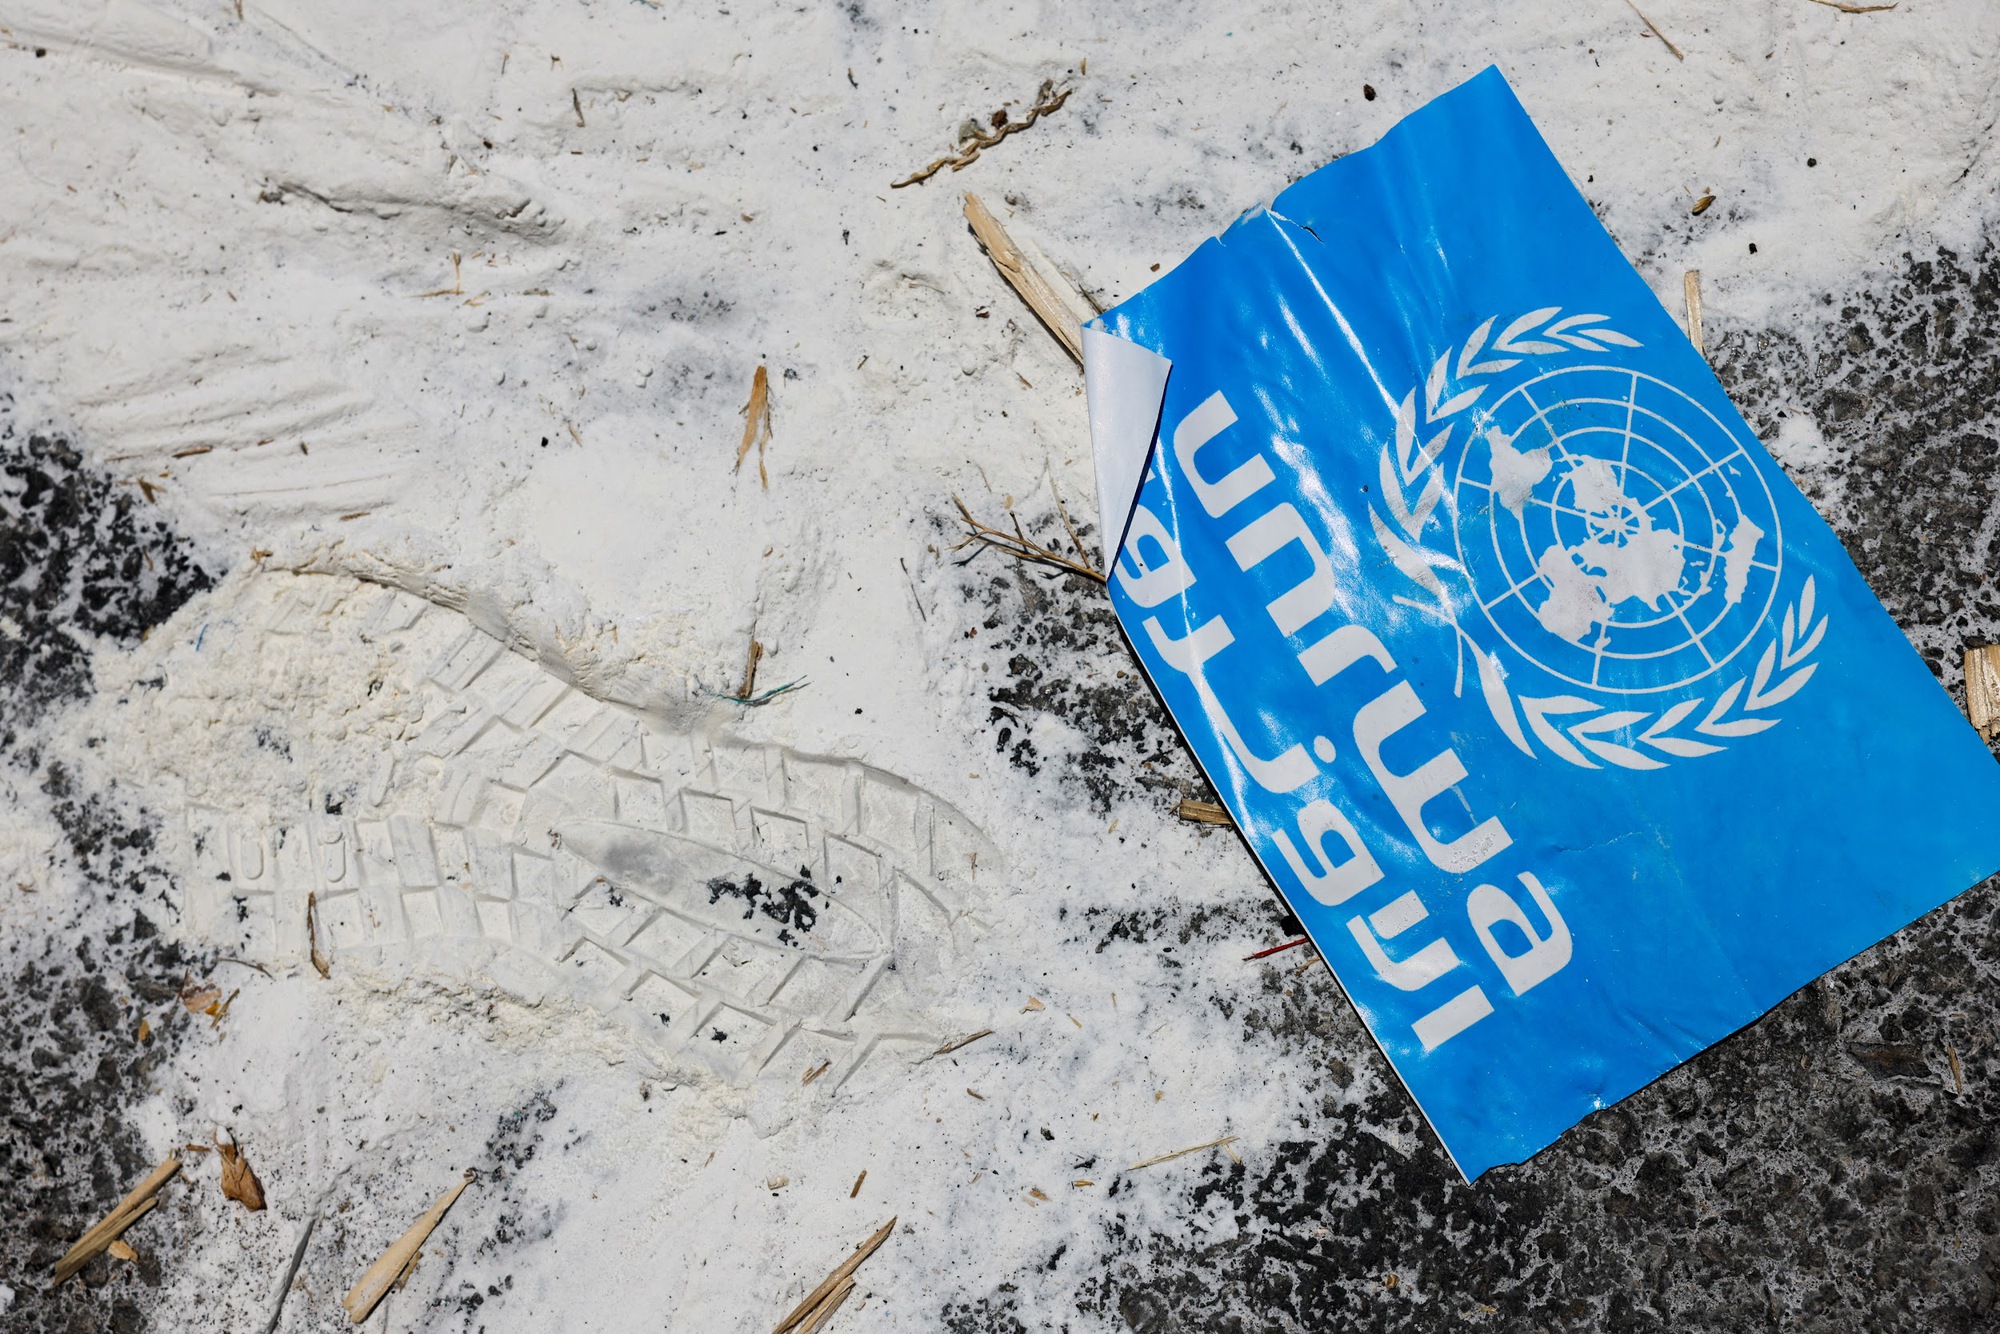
(321, 964)
(1854, 9)
(1701, 205)
(239, 1183)
(1654, 28)
(1018, 544)
(856, 1192)
(128, 1211)
(1058, 305)
(950, 1047)
(1182, 1153)
(828, 1307)
(816, 1072)
(978, 139)
(1203, 812)
(374, 1283)
(1691, 286)
(403, 1278)
(757, 426)
(1982, 689)
(809, 1309)
(748, 694)
(219, 1010)
(457, 288)
(1957, 1075)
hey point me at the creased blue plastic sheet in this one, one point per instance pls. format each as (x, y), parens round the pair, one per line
(1556, 713)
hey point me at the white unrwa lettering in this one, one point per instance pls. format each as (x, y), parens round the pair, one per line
(1264, 537)
(1198, 428)
(1547, 952)
(1453, 1017)
(1342, 649)
(1416, 971)
(1381, 718)
(1327, 855)
(1289, 770)
(1328, 881)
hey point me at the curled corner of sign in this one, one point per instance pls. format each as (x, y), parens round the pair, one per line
(1124, 385)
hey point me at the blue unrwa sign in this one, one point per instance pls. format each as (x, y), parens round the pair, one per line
(1561, 720)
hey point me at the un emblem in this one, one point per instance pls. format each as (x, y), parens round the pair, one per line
(1594, 522)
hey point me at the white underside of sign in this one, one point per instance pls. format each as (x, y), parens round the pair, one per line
(1125, 385)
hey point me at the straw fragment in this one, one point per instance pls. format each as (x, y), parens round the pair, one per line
(1691, 285)
(757, 424)
(828, 1307)
(966, 1041)
(136, 1204)
(833, 1291)
(1182, 1153)
(1058, 305)
(1654, 28)
(1018, 544)
(1982, 689)
(375, 1282)
(1203, 812)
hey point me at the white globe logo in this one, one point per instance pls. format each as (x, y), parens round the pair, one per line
(1614, 532)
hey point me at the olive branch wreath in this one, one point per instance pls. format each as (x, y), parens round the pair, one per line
(1570, 727)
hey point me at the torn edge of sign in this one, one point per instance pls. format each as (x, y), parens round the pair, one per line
(1124, 386)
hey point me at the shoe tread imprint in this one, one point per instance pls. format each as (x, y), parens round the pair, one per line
(721, 901)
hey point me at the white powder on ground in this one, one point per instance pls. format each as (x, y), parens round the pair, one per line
(229, 254)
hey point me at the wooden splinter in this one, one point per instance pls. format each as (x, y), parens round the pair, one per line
(1982, 689)
(1060, 307)
(1691, 288)
(820, 1304)
(129, 1210)
(396, 1262)
(828, 1307)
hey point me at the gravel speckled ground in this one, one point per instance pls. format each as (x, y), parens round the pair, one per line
(79, 560)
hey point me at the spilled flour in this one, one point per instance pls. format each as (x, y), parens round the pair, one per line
(390, 365)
